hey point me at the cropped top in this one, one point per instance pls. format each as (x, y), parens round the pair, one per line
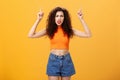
(59, 40)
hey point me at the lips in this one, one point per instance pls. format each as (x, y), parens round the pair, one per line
(59, 21)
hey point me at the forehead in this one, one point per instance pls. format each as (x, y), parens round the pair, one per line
(59, 13)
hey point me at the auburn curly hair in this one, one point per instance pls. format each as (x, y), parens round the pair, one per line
(51, 26)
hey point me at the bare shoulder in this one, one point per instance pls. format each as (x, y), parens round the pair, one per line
(76, 30)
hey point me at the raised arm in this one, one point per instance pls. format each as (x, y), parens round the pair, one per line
(32, 33)
(87, 32)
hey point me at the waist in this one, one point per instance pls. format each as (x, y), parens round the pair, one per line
(59, 52)
(60, 57)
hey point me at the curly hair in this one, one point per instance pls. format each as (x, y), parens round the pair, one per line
(51, 26)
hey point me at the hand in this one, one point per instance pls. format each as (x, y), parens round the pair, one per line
(40, 15)
(80, 15)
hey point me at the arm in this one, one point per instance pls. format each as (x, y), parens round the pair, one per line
(32, 33)
(87, 32)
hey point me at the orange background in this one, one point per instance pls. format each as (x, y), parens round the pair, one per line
(95, 58)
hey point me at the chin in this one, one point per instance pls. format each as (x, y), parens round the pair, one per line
(58, 24)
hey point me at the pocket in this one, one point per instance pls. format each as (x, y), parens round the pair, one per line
(68, 59)
(52, 58)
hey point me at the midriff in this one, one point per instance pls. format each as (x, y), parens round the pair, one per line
(59, 52)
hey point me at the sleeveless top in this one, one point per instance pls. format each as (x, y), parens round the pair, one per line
(59, 40)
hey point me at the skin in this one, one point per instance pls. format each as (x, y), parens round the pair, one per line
(33, 34)
(59, 18)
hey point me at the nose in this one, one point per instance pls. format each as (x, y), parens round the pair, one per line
(59, 17)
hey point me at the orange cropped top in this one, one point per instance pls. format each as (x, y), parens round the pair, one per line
(59, 40)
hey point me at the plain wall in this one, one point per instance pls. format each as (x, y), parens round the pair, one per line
(95, 58)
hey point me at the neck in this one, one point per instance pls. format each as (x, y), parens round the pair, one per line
(59, 26)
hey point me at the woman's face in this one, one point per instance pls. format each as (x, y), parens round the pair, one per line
(59, 18)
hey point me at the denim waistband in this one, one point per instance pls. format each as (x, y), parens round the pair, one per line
(62, 56)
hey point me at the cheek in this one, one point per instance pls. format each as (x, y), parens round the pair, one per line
(62, 19)
(56, 19)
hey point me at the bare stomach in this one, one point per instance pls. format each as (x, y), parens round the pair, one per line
(59, 52)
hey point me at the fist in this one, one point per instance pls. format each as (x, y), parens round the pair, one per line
(80, 15)
(40, 14)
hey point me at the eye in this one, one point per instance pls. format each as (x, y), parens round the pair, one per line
(56, 15)
(61, 16)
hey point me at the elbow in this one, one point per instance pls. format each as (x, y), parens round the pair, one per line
(89, 35)
(30, 36)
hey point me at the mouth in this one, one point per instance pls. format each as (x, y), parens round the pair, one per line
(59, 21)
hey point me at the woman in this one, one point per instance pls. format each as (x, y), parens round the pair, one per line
(59, 31)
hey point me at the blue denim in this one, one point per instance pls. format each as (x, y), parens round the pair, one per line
(60, 65)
